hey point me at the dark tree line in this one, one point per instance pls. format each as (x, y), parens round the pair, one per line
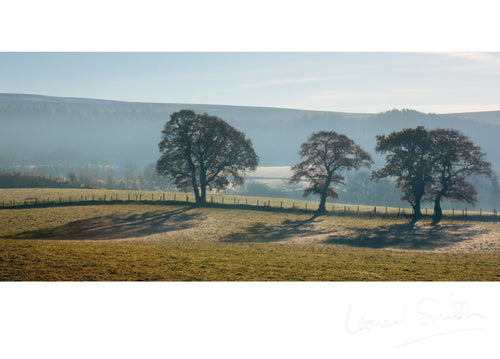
(20, 179)
(146, 180)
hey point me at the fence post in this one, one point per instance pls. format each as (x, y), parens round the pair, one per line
(306, 205)
(281, 205)
(375, 210)
(345, 210)
(257, 202)
(357, 210)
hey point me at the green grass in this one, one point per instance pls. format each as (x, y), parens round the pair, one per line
(158, 242)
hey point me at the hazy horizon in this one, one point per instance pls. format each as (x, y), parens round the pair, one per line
(241, 106)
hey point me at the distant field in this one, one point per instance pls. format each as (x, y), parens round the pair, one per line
(43, 195)
(156, 241)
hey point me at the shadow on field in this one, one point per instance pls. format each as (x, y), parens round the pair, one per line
(407, 236)
(118, 227)
(264, 233)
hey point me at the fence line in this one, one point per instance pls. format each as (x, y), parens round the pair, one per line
(251, 202)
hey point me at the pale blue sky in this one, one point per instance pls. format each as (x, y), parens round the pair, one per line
(336, 81)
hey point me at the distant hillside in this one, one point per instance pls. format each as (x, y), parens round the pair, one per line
(114, 132)
(485, 117)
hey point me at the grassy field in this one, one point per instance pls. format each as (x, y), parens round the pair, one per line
(179, 242)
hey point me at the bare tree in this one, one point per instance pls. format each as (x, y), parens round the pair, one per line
(409, 161)
(327, 154)
(203, 152)
(455, 157)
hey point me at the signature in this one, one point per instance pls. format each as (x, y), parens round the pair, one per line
(425, 313)
(429, 312)
(368, 324)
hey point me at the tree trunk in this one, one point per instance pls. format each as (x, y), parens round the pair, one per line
(203, 186)
(438, 213)
(203, 196)
(417, 213)
(322, 205)
(196, 194)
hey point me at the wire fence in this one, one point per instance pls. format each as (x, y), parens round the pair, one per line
(236, 201)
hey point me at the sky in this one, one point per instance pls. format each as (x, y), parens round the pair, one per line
(364, 82)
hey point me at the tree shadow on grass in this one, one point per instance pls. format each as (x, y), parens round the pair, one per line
(407, 236)
(264, 233)
(118, 227)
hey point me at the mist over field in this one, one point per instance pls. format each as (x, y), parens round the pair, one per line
(57, 136)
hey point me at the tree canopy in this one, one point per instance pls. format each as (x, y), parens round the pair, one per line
(432, 165)
(454, 157)
(408, 159)
(327, 154)
(202, 152)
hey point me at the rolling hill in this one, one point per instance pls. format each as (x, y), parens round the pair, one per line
(115, 131)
